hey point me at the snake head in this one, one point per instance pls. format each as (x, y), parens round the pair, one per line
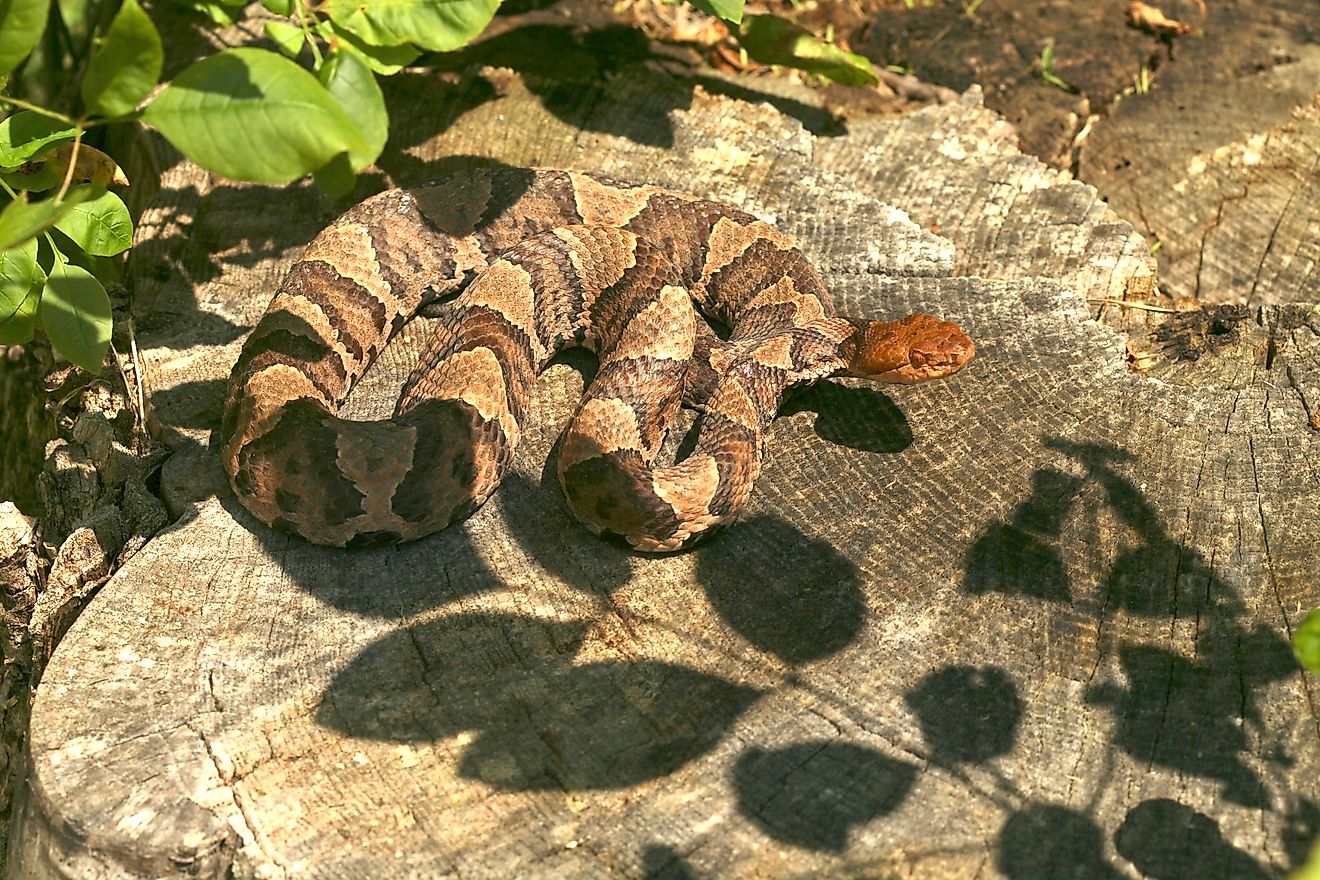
(915, 349)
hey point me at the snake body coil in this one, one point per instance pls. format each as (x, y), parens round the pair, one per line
(560, 259)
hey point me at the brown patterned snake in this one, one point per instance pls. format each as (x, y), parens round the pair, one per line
(561, 259)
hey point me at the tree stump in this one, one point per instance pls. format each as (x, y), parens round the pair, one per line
(1028, 622)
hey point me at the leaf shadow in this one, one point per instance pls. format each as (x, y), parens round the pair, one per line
(1020, 556)
(534, 719)
(790, 595)
(968, 714)
(661, 862)
(1048, 841)
(1166, 840)
(813, 794)
(578, 74)
(1189, 715)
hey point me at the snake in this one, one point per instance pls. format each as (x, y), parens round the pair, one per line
(686, 302)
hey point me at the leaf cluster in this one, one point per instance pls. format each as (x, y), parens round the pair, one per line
(312, 106)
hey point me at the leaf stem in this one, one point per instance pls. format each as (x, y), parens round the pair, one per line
(132, 116)
(73, 162)
(54, 250)
(308, 35)
(36, 108)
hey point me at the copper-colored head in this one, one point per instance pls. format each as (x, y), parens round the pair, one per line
(915, 349)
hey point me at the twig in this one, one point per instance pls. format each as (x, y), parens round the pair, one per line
(911, 87)
(123, 374)
(73, 163)
(35, 108)
(1129, 304)
(137, 376)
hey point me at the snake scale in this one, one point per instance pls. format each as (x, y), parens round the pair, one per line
(544, 260)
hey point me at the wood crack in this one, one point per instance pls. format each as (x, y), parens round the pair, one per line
(250, 825)
(1269, 244)
(1270, 571)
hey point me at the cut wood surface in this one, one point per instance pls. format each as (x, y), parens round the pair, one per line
(1225, 177)
(1028, 622)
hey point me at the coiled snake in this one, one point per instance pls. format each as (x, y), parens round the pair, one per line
(545, 260)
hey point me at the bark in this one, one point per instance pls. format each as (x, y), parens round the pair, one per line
(1028, 622)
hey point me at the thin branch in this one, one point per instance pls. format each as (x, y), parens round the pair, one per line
(44, 111)
(1128, 304)
(128, 387)
(139, 384)
(73, 163)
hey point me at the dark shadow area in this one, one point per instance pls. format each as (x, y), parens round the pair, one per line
(860, 418)
(539, 520)
(1048, 842)
(1189, 716)
(1301, 831)
(790, 595)
(813, 794)
(1192, 716)
(968, 715)
(562, 53)
(662, 863)
(1145, 579)
(569, 68)
(518, 7)
(540, 723)
(1017, 557)
(190, 404)
(1166, 840)
(192, 327)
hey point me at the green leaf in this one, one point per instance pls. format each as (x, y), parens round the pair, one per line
(75, 313)
(351, 83)
(1047, 73)
(1311, 870)
(20, 291)
(729, 10)
(25, 134)
(385, 60)
(126, 65)
(221, 13)
(770, 39)
(288, 38)
(251, 114)
(100, 225)
(1306, 641)
(439, 25)
(336, 178)
(21, 220)
(279, 7)
(21, 25)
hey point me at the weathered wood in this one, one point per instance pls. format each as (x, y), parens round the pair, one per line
(1029, 622)
(1225, 176)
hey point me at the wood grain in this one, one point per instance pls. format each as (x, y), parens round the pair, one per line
(1028, 622)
